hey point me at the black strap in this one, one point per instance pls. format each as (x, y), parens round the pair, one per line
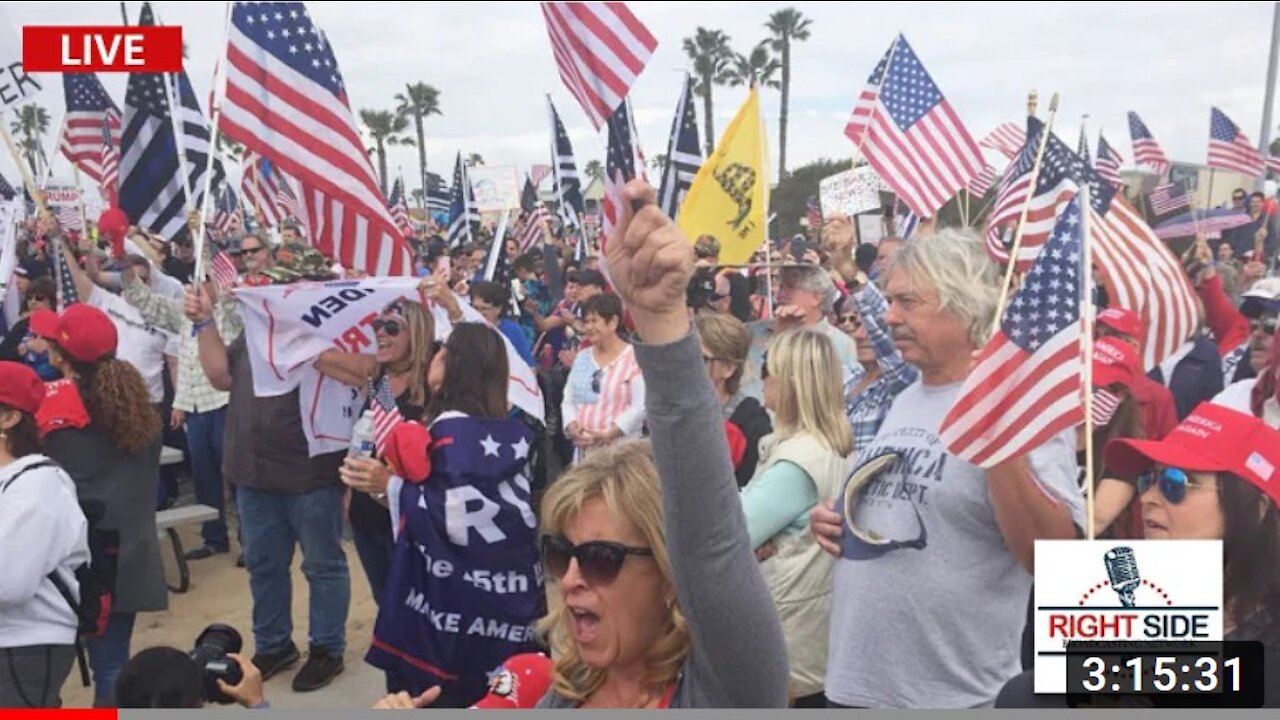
(25, 470)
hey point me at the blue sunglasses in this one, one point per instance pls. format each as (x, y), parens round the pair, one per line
(1172, 482)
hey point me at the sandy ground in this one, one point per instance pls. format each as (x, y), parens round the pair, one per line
(220, 593)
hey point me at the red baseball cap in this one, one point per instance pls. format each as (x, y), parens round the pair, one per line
(83, 331)
(1114, 362)
(1122, 320)
(1212, 438)
(20, 387)
(519, 684)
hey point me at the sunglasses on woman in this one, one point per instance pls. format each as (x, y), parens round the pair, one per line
(1173, 484)
(599, 561)
(390, 327)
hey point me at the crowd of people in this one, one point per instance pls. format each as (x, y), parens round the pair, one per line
(737, 495)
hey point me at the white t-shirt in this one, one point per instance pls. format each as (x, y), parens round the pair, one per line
(1239, 397)
(141, 344)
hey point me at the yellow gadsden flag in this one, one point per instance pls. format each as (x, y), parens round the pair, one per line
(730, 195)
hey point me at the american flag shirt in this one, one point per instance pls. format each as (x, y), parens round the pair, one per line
(616, 398)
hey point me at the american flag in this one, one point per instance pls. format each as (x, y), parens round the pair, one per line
(264, 188)
(438, 200)
(89, 110)
(1146, 151)
(535, 216)
(1108, 163)
(110, 185)
(1105, 404)
(399, 210)
(1230, 149)
(623, 163)
(600, 49)
(1169, 197)
(568, 186)
(286, 100)
(153, 177)
(1025, 387)
(910, 135)
(462, 214)
(684, 153)
(224, 271)
(537, 172)
(64, 282)
(1007, 139)
(813, 213)
(1273, 164)
(386, 414)
(1082, 148)
(69, 215)
(906, 225)
(226, 214)
(1061, 174)
(981, 182)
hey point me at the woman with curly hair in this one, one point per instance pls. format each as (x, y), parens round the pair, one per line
(98, 424)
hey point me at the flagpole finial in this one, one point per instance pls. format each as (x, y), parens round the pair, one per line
(1053, 103)
(1033, 100)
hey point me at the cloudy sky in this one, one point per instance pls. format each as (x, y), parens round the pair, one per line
(492, 63)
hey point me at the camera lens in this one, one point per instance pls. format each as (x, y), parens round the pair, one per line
(210, 655)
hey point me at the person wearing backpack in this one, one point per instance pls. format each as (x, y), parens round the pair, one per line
(98, 424)
(42, 533)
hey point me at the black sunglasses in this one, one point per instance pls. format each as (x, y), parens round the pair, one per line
(390, 327)
(599, 561)
(1267, 325)
(251, 251)
(1172, 482)
(595, 381)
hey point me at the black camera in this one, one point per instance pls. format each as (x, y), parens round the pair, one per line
(210, 656)
(702, 288)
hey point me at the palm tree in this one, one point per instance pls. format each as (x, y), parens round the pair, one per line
(756, 69)
(384, 126)
(32, 124)
(474, 159)
(658, 164)
(712, 62)
(786, 25)
(419, 101)
(230, 148)
(594, 170)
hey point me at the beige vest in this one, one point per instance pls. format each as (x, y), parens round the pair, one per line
(799, 575)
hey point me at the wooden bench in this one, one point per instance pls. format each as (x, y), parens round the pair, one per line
(167, 523)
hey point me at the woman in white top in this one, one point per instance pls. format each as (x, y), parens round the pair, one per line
(42, 531)
(604, 396)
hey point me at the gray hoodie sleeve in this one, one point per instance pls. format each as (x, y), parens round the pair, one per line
(739, 657)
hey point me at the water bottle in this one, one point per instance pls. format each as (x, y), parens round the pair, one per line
(362, 445)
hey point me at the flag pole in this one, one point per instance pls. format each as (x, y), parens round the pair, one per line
(84, 223)
(1022, 220)
(1086, 355)
(27, 178)
(219, 93)
(498, 234)
(257, 209)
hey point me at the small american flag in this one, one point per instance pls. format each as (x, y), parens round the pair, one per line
(1230, 149)
(399, 210)
(110, 185)
(1025, 387)
(623, 163)
(63, 280)
(462, 214)
(69, 217)
(814, 214)
(1007, 139)
(981, 182)
(1105, 404)
(263, 189)
(906, 225)
(386, 414)
(224, 271)
(600, 49)
(909, 133)
(1169, 197)
(535, 216)
(1108, 163)
(226, 214)
(1146, 151)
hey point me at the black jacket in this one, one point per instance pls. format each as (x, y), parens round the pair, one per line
(1197, 377)
(753, 421)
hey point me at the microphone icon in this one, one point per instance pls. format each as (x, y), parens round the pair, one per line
(1122, 569)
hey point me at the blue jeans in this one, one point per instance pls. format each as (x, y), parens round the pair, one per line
(107, 654)
(271, 524)
(374, 550)
(204, 442)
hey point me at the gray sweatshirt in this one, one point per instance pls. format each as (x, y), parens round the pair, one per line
(738, 657)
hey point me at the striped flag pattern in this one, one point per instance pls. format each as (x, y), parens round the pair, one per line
(1007, 139)
(1169, 197)
(684, 153)
(224, 271)
(110, 161)
(813, 212)
(64, 283)
(1026, 385)
(981, 182)
(1105, 404)
(535, 216)
(600, 49)
(1230, 149)
(462, 215)
(1146, 151)
(1108, 163)
(226, 214)
(399, 210)
(386, 414)
(6, 190)
(910, 134)
(1273, 164)
(623, 163)
(91, 128)
(286, 100)
(537, 172)
(263, 189)
(565, 168)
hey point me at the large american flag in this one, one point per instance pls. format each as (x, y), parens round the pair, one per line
(565, 169)
(83, 140)
(623, 163)
(1146, 151)
(1108, 163)
(462, 214)
(1061, 174)
(909, 133)
(265, 190)
(386, 413)
(399, 210)
(286, 100)
(600, 49)
(981, 182)
(1169, 197)
(1230, 149)
(684, 153)
(1007, 139)
(1026, 385)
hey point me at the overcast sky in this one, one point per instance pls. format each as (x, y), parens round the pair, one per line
(493, 65)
